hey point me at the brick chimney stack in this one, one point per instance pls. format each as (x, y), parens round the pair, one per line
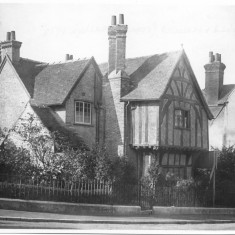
(11, 47)
(117, 44)
(214, 78)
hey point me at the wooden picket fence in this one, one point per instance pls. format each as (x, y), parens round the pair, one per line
(100, 192)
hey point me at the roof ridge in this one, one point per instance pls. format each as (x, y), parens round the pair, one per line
(33, 60)
(145, 56)
(229, 84)
(69, 61)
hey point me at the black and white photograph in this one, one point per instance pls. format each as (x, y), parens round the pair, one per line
(117, 116)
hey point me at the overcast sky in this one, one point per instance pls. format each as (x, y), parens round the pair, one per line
(51, 29)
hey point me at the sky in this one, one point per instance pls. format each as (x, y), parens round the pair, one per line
(50, 29)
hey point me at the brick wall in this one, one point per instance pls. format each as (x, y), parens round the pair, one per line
(121, 47)
(112, 48)
(12, 48)
(114, 119)
(13, 96)
(213, 81)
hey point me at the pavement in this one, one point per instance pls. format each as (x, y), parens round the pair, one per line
(25, 216)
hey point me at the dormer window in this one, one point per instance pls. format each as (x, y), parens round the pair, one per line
(82, 112)
(181, 118)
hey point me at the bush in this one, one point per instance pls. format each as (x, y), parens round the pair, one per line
(225, 177)
(69, 163)
(202, 178)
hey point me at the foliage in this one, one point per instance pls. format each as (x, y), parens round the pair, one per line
(36, 156)
(225, 177)
(36, 141)
(123, 170)
(202, 177)
(155, 175)
(185, 183)
(102, 163)
(226, 164)
(169, 179)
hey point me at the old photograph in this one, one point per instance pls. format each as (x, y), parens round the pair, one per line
(117, 116)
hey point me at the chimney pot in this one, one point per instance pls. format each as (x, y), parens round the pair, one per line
(67, 57)
(121, 18)
(214, 79)
(13, 36)
(211, 56)
(8, 36)
(217, 57)
(71, 57)
(113, 20)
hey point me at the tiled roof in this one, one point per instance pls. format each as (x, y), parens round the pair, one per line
(53, 83)
(225, 92)
(27, 70)
(132, 64)
(151, 77)
(53, 122)
(216, 110)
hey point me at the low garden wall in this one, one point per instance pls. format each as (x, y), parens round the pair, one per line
(158, 210)
(68, 208)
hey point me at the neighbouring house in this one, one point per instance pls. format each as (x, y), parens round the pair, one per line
(145, 107)
(154, 108)
(65, 96)
(221, 101)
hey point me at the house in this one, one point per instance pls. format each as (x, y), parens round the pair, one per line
(154, 108)
(221, 101)
(65, 96)
(145, 107)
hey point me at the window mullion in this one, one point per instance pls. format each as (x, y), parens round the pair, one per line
(90, 112)
(83, 112)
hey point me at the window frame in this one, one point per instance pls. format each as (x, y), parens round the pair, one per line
(166, 167)
(185, 113)
(83, 112)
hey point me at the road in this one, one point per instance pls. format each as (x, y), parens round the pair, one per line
(4, 224)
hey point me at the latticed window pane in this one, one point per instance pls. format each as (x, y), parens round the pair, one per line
(156, 158)
(79, 112)
(178, 164)
(177, 159)
(171, 159)
(186, 119)
(178, 118)
(190, 160)
(164, 159)
(181, 118)
(189, 172)
(182, 159)
(82, 112)
(87, 113)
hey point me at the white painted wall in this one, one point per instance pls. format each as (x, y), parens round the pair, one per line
(61, 113)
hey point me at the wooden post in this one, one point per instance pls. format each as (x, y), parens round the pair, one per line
(214, 190)
(215, 167)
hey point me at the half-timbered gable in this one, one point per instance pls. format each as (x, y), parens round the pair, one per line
(169, 116)
(183, 118)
